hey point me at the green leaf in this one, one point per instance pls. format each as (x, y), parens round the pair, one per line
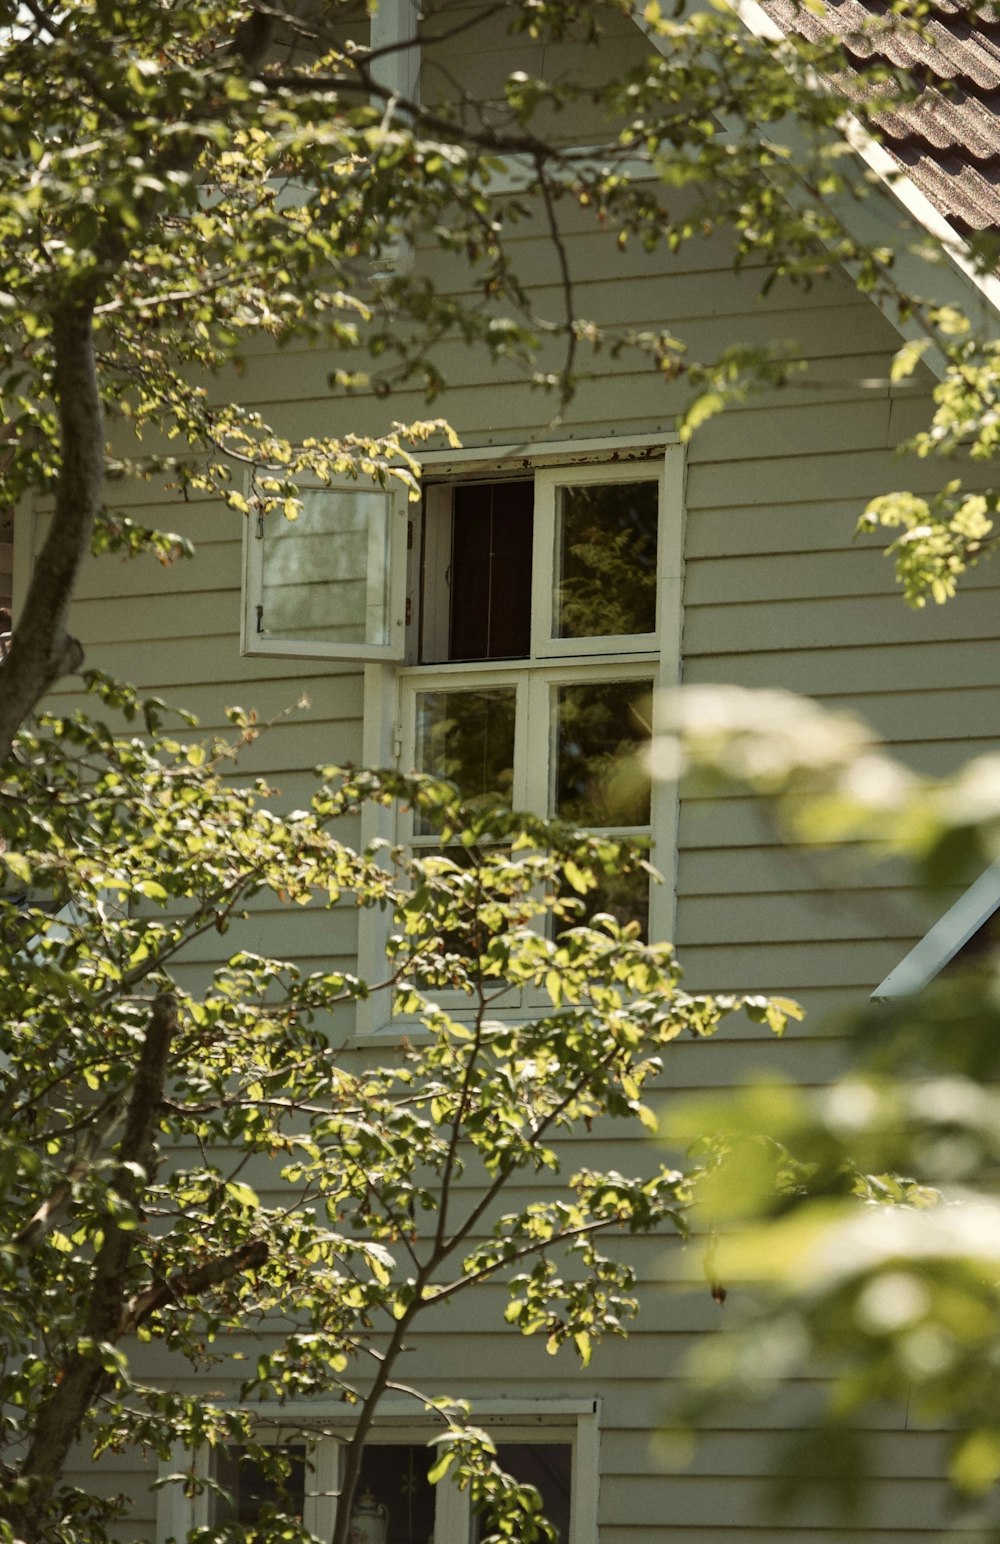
(243, 1194)
(906, 359)
(441, 1466)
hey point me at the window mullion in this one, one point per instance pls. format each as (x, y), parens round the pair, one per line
(543, 564)
(321, 1508)
(670, 567)
(533, 742)
(433, 588)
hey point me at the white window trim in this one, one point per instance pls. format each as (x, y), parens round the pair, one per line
(384, 740)
(576, 1421)
(949, 934)
(394, 26)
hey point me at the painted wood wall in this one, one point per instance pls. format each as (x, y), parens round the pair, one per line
(776, 594)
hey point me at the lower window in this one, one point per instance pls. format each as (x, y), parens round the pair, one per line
(294, 1471)
(257, 1482)
(558, 741)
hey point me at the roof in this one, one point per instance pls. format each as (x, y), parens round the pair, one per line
(946, 138)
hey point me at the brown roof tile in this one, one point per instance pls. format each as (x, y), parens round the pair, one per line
(941, 74)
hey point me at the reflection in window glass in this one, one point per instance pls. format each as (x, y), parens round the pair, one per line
(625, 897)
(606, 560)
(257, 1491)
(394, 1477)
(468, 736)
(325, 575)
(548, 1467)
(602, 733)
(471, 935)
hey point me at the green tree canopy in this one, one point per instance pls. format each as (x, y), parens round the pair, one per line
(182, 1165)
(180, 178)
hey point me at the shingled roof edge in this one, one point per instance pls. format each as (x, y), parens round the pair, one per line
(975, 286)
(923, 209)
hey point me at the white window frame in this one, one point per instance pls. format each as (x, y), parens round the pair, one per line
(573, 1422)
(389, 727)
(254, 641)
(534, 684)
(548, 480)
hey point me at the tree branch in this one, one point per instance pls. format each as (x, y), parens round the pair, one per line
(42, 650)
(186, 1284)
(100, 1124)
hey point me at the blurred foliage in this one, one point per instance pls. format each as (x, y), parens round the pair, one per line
(861, 1220)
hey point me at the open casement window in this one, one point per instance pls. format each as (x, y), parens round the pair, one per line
(294, 1470)
(330, 584)
(544, 616)
(562, 564)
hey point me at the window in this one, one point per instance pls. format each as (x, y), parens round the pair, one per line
(295, 1469)
(548, 1466)
(558, 564)
(519, 622)
(328, 584)
(254, 1484)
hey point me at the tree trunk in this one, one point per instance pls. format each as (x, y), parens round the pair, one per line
(42, 650)
(60, 1417)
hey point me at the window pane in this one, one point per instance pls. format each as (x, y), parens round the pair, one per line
(325, 575)
(394, 1476)
(606, 560)
(467, 736)
(457, 955)
(256, 1491)
(602, 733)
(546, 1465)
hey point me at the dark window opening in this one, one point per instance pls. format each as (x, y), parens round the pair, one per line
(393, 1485)
(489, 571)
(255, 1489)
(548, 1467)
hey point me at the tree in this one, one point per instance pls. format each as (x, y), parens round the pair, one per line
(181, 178)
(137, 1112)
(863, 1216)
